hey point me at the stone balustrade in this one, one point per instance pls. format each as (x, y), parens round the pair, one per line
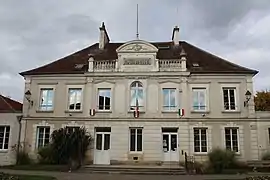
(170, 65)
(104, 65)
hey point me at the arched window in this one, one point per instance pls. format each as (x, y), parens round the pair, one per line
(136, 94)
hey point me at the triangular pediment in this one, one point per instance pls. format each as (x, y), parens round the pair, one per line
(137, 46)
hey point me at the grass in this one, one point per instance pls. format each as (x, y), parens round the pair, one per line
(28, 177)
(38, 167)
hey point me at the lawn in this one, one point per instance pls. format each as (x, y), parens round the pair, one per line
(38, 167)
(28, 177)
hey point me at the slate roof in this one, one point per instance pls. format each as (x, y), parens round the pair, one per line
(8, 105)
(208, 63)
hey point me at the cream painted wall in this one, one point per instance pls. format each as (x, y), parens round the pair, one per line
(153, 84)
(8, 157)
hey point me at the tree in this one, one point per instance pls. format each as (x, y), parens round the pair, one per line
(67, 147)
(262, 101)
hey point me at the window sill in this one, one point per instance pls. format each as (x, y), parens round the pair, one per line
(3, 150)
(169, 111)
(103, 111)
(44, 111)
(200, 111)
(73, 111)
(200, 153)
(231, 111)
(135, 152)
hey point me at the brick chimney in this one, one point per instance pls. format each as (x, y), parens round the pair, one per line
(175, 36)
(103, 36)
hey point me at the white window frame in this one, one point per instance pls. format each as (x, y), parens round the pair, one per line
(170, 108)
(4, 138)
(238, 138)
(81, 100)
(128, 101)
(235, 98)
(200, 138)
(41, 96)
(100, 89)
(136, 134)
(200, 89)
(205, 86)
(43, 138)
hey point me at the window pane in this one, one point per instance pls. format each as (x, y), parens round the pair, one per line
(104, 99)
(132, 140)
(139, 142)
(226, 99)
(75, 98)
(136, 93)
(173, 142)
(166, 98)
(46, 99)
(165, 142)
(195, 99)
(99, 142)
(106, 141)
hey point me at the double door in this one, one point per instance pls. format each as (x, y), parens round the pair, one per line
(170, 147)
(102, 148)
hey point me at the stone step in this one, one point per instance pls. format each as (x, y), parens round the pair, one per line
(160, 170)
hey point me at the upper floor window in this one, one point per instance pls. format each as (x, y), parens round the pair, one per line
(136, 95)
(231, 139)
(43, 136)
(169, 99)
(199, 99)
(229, 98)
(104, 99)
(46, 99)
(71, 129)
(75, 99)
(4, 137)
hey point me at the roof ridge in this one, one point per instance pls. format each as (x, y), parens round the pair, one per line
(225, 60)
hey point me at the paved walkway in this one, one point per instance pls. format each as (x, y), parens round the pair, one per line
(87, 176)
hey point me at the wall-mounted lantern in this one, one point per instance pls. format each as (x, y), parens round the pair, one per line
(28, 97)
(248, 97)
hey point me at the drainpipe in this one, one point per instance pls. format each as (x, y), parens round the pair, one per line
(19, 118)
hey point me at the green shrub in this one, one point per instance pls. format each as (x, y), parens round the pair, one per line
(45, 155)
(220, 159)
(266, 156)
(66, 147)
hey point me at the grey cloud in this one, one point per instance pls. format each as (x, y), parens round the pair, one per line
(34, 33)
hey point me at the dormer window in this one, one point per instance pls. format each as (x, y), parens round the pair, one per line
(195, 64)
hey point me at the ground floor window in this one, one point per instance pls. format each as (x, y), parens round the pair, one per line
(43, 136)
(231, 139)
(4, 137)
(135, 139)
(200, 140)
(71, 129)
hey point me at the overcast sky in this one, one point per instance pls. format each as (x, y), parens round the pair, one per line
(35, 32)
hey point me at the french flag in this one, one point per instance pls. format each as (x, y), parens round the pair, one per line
(136, 112)
(181, 112)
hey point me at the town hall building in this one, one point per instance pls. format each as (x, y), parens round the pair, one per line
(143, 102)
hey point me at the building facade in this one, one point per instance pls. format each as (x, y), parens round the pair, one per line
(10, 116)
(144, 102)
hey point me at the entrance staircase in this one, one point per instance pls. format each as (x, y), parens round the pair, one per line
(135, 169)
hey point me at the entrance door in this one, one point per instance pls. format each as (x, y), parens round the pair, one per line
(102, 148)
(170, 146)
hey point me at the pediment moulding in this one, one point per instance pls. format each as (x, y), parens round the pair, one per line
(137, 46)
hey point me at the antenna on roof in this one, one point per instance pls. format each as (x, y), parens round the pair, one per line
(137, 34)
